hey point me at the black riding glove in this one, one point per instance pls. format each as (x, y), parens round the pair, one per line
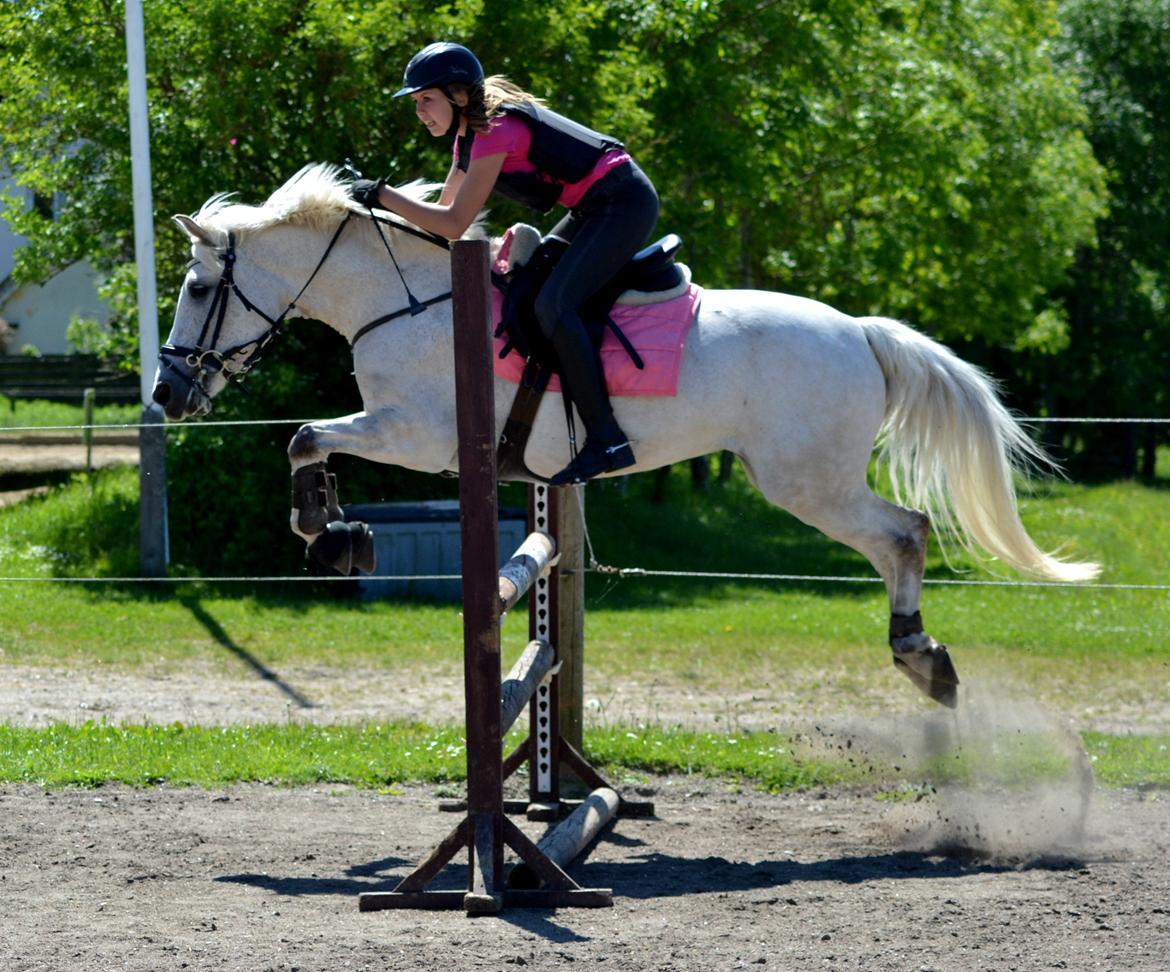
(366, 191)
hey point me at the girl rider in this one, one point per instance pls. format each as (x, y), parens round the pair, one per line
(507, 141)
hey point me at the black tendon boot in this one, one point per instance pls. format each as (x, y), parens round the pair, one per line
(606, 447)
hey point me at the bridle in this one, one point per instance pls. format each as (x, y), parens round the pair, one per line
(208, 360)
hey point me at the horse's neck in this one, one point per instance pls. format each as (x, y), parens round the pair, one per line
(358, 282)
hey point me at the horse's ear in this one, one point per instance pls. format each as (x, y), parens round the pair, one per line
(192, 230)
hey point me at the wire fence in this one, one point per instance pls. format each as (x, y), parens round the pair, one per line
(594, 566)
(233, 423)
(623, 573)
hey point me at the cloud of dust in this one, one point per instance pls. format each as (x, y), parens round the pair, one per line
(999, 778)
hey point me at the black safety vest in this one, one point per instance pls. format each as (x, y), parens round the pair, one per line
(563, 152)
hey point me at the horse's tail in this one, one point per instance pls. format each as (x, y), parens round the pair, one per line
(952, 449)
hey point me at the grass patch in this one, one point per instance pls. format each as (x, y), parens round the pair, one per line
(731, 528)
(1129, 760)
(771, 761)
(25, 413)
(1019, 760)
(370, 756)
(1071, 647)
(80, 529)
(376, 756)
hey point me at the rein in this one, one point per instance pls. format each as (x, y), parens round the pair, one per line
(414, 305)
(237, 361)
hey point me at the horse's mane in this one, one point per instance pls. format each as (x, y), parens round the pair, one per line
(318, 195)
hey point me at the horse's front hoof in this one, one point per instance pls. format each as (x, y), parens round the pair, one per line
(929, 667)
(345, 548)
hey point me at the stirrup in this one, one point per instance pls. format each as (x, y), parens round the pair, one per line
(593, 460)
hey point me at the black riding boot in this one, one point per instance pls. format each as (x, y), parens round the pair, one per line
(606, 447)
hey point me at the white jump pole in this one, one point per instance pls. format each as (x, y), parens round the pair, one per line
(154, 540)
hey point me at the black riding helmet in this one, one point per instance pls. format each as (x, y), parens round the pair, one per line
(439, 65)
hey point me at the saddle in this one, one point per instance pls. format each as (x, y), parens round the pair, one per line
(651, 275)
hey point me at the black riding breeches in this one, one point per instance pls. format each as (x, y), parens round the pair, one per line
(610, 224)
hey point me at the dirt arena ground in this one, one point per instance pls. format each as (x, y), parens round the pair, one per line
(1060, 876)
(1064, 875)
(259, 878)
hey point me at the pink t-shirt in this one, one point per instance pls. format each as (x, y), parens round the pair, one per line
(513, 138)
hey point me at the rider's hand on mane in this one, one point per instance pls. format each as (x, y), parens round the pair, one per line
(365, 191)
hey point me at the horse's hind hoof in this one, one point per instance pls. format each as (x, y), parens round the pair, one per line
(929, 667)
(345, 547)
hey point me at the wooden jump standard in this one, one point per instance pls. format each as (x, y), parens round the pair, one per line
(538, 879)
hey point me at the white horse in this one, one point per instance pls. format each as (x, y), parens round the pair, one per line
(800, 392)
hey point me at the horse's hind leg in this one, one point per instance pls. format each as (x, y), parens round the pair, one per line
(893, 539)
(916, 654)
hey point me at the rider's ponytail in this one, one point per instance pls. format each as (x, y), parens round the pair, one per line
(485, 101)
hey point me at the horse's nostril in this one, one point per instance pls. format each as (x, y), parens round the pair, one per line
(161, 393)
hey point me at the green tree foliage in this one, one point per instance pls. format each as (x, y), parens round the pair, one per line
(919, 160)
(924, 160)
(241, 95)
(1119, 299)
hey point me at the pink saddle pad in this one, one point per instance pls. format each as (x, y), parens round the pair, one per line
(657, 331)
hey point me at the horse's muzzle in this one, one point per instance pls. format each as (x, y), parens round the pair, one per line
(178, 395)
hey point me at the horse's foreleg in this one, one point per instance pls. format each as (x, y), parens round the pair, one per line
(420, 439)
(317, 517)
(314, 500)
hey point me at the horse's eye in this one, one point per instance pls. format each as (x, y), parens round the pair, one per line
(197, 290)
